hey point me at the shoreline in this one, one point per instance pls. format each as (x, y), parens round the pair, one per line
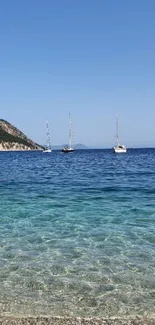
(43, 320)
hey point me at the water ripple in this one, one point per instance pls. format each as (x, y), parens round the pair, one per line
(77, 233)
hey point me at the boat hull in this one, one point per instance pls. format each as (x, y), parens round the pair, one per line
(67, 150)
(48, 150)
(119, 150)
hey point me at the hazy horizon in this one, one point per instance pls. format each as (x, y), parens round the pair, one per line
(88, 147)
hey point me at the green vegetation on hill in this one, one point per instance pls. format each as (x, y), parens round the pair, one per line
(10, 134)
(6, 137)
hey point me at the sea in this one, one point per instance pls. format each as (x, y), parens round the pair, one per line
(77, 233)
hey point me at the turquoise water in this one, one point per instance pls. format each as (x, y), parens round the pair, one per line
(77, 233)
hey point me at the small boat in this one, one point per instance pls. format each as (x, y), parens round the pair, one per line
(70, 147)
(119, 148)
(67, 149)
(48, 149)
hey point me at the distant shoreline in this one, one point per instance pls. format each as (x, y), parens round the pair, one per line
(78, 149)
(21, 150)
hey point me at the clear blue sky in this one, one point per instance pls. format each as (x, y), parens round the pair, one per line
(93, 58)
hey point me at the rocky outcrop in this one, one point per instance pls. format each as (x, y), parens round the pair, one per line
(11, 138)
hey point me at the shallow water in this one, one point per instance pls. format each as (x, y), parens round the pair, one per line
(77, 233)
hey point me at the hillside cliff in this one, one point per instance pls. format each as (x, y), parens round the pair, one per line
(12, 138)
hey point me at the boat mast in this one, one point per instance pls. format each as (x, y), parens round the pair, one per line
(48, 136)
(71, 140)
(117, 135)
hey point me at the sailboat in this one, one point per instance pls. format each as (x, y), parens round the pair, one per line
(48, 149)
(119, 148)
(70, 147)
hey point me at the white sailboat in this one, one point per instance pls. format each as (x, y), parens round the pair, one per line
(70, 147)
(119, 148)
(48, 149)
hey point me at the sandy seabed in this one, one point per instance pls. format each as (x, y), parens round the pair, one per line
(76, 321)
